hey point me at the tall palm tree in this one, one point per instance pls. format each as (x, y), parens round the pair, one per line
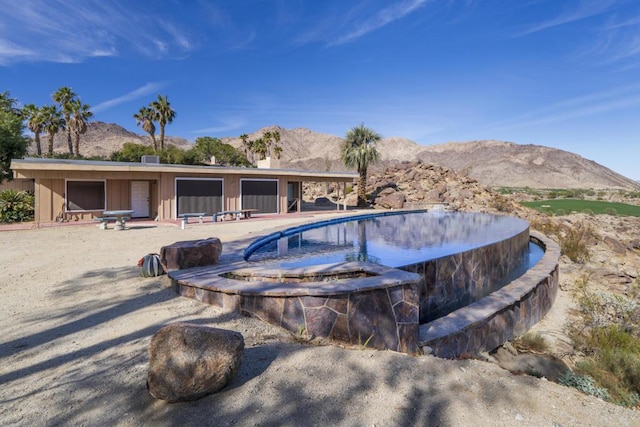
(81, 114)
(35, 122)
(53, 122)
(64, 97)
(164, 115)
(359, 151)
(7, 103)
(145, 117)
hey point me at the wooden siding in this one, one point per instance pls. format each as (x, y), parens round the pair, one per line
(50, 178)
(18, 184)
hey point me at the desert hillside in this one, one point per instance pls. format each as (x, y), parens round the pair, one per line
(492, 163)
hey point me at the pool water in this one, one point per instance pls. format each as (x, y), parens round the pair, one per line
(391, 240)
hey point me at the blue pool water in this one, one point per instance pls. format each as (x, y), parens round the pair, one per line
(393, 240)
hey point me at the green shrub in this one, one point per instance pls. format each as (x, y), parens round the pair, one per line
(608, 334)
(584, 383)
(16, 206)
(611, 211)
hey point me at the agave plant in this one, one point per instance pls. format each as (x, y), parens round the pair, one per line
(16, 206)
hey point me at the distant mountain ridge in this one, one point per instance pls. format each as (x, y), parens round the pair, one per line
(493, 163)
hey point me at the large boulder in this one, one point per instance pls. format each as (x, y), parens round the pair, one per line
(191, 253)
(395, 200)
(187, 362)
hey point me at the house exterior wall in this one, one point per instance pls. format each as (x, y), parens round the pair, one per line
(18, 184)
(50, 177)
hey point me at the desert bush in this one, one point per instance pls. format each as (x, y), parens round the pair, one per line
(573, 242)
(501, 204)
(611, 211)
(531, 342)
(608, 334)
(16, 206)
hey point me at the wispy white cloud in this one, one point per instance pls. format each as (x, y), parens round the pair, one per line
(583, 10)
(228, 124)
(618, 42)
(384, 17)
(583, 106)
(74, 30)
(147, 89)
(346, 26)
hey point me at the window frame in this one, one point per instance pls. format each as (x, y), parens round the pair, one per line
(67, 200)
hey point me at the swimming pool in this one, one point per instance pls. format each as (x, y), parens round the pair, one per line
(397, 280)
(395, 239)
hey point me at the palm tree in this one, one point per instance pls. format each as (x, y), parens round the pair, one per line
(164, 114)
(64, 97)
(145, 117)
(81, 114)
(359, 150)
(35, 122)
(7, 103)
(53, 121)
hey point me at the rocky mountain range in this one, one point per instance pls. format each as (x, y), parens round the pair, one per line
(492, 163)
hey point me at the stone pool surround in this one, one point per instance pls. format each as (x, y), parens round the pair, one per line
(383, 310)
(501, 316)
(352, 302)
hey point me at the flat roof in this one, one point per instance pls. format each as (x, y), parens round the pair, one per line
(40, 164)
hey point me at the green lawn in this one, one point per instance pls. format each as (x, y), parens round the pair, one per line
(567, 206)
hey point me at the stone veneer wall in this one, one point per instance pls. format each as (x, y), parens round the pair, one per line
(505, 314)
(381, 311)
(455, 281)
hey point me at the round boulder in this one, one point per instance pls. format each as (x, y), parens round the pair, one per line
(187, 361)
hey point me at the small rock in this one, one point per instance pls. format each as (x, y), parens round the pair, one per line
(427, 350)
(615, 245)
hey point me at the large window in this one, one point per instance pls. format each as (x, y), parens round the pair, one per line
(260, 194)
(198, 195)
(86, 195)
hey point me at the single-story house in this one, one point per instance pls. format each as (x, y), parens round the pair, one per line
(83, 189)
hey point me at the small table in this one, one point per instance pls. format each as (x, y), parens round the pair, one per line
(121, 217)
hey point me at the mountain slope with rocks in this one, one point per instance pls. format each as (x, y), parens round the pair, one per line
(493, 163)
(102, 139)
(506, 164)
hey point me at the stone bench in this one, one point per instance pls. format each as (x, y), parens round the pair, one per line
(104, 221)
(185, 217)
(237, 214)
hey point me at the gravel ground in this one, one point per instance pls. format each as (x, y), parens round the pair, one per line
(77, 320)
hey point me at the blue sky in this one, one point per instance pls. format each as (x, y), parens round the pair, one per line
(558, 73)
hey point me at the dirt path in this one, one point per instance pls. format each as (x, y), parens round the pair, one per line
(77, 320)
